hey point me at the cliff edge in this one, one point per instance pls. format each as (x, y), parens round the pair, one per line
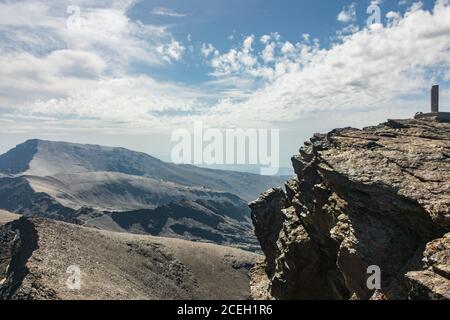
(366, 205)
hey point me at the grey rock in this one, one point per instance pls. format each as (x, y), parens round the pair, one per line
(367, 197)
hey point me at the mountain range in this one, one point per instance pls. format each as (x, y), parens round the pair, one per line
(122, 190)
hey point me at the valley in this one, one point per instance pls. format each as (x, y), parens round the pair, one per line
(121, 190)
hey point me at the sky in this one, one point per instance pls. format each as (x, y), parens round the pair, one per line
(128, 73)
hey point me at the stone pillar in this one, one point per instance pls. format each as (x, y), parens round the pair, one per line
(435, 99)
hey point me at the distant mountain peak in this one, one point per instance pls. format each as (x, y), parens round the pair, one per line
(42, 158)
(45, 158)
(17, 160)
(119, 189)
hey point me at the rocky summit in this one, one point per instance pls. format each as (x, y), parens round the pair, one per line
(362, 201)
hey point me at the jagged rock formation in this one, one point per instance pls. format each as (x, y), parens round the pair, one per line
(37, 256)
(432, 282)
(373, 197)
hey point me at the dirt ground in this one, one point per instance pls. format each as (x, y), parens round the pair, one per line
(124, 266)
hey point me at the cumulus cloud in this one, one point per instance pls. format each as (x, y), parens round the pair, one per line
(53, 50)
(172, 51)
(275, 59)
(262, 81)
(348, 14)
(208, 49)
(393, 18)
(366, 69)
(236, 60)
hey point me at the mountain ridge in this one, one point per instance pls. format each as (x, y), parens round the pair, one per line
(42, 157)
(122, 190)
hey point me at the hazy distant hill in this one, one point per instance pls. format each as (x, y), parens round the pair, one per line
(47, 158)
(122, 190)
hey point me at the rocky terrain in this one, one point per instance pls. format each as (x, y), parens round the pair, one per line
(362, 198)
(39, 259)
(122, 190)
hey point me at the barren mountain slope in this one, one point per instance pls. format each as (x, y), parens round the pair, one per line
(121, 190)
(37, 254)
(119, 202)
(48, 158)
(6, 217)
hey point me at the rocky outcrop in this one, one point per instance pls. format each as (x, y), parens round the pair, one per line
(433, 282)
(364, 203)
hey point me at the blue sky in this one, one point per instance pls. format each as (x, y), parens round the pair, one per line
(128, 73)
(225, 23)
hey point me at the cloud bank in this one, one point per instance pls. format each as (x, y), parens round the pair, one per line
(72, 69)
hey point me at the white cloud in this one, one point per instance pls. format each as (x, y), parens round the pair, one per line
(288, 48)
(268, 53)
(51, 50)
(236, 60)
(362, 70)
(127, 100)
(208, 49)
(265, 38)
(172, 51)
(105, 30)
(393, 18)
(415, 7)
(248, 42)
(348, 14)
(369, 69)
(166, 12)
(275, 59)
